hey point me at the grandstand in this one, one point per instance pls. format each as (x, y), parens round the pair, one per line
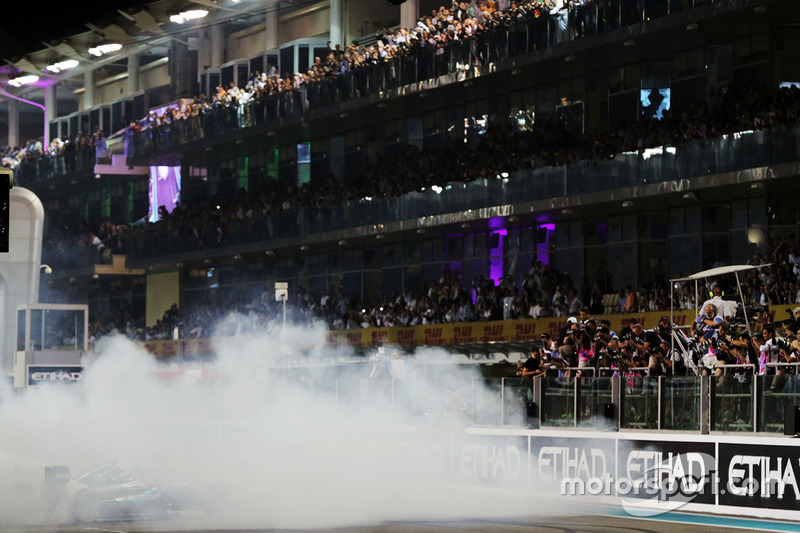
(491, 162)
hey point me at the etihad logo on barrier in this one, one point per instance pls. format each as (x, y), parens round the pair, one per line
(40, 374)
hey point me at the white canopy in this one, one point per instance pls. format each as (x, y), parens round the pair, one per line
(719, 271)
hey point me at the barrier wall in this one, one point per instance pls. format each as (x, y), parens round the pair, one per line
(460, 333)
(646, 473)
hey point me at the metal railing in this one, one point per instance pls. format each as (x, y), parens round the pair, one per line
(535, 31)
(712, 156)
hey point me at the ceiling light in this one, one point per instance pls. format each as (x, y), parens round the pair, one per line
(186, 16)
(105, 49)
(63, 65)
(627, 203)
(23, 80)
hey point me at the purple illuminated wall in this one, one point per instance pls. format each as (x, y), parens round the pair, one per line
(496, 255)
(543, 248)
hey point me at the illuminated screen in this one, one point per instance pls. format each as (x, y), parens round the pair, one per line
(655, 102)
(165, 191)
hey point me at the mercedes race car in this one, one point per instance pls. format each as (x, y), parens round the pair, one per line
(113, 492)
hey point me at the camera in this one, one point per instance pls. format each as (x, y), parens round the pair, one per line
(781, 344)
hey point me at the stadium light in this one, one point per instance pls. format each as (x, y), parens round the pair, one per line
(62, 65)
(105, 49)
(186, 16)
(23, 80)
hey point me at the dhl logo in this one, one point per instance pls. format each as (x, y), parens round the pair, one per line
(462, 334)
(434, 335)
(405, 336)
(380, 336)
(493, 333)
(524, 331)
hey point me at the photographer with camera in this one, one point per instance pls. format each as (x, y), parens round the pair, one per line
(707, 324)
(775, 350)
(792, 325)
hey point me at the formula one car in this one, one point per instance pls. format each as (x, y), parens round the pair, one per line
(114, 492)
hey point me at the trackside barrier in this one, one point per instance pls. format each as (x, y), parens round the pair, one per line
(646, 473)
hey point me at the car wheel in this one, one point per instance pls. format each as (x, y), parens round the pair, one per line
(86, 507)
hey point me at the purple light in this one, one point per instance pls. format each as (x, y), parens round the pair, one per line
(543, 248)
(496, 263)
(496, 222)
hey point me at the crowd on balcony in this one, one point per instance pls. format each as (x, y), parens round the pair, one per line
(496, 152)
(32, 160)
(468, 30)
(541, 292)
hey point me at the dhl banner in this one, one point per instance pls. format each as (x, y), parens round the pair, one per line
(461, 333)
(180, 347)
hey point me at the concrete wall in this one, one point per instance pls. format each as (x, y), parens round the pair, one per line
(19, 268)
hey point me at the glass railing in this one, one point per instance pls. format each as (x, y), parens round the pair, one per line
(49, 167)
(532, 31)
(699, 158)
(731, 403)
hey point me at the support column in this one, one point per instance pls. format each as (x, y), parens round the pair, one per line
(336, 23)
(133, 74)
(272, 42)
(13, 123)
(409, 13)
(217, 46)
(50, 114)
(88, 92)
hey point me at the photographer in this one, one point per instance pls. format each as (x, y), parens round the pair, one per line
(532, 367)
(707, 324)
(792, 325)
(775, 349)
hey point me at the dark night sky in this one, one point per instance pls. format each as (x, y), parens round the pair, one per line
(26, 24)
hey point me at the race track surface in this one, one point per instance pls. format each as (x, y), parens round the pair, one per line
(670, 523)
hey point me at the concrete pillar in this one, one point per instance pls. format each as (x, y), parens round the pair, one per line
(88, 92)
(217, 46)
(336, 23)
(409, 13)
(272, 42)
(13, 123)
(133, 74)
(50, 113)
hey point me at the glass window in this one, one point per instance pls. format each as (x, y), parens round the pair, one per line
(716, 250)
(614, 229)
(455, 247)
(676, 221)
(595, 232)
(21, 330)
(716, 218)
(653, 226)
(692, 219)
(739, 214)
(37, 324)
(432, 250)
(782, 210)
(681, 263)
(622, 265)
(756, 214)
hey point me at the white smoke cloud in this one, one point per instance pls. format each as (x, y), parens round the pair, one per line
(279, 440)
